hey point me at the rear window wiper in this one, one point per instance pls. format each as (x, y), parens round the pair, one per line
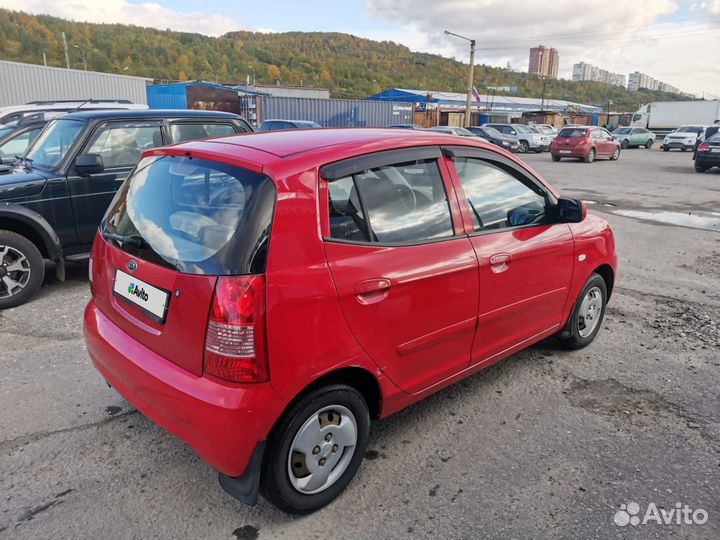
(125, 240)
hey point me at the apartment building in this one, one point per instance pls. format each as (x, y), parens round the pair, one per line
(587, 72)
(544, 61)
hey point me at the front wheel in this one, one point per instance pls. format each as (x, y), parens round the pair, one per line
(316, 449)
(684, 149)
(524, 147)
(587, 315)
(665, 149)
(649, 143)
(21, 269)
(591, 156)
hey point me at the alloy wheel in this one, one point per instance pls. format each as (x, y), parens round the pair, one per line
(14, 271)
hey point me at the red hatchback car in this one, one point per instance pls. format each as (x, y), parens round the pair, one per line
(586, 143)
(264, 297)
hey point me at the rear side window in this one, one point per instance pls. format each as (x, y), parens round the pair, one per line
(193, 131)
(18, 145)
(496, 198)
(396, 204)
(572, 133)
(197, 216)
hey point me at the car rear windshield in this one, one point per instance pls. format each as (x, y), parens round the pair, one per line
(193, 215)
(572, 133)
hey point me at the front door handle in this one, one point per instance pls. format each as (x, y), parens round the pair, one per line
(500, 262)
(371, 291)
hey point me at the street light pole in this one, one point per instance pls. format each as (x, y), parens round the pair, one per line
(82, 52)
(468, 102)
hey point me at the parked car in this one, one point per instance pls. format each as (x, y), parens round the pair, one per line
(547, 129)
(273, 125)
(19, 135)
(13, 113)
(708, 154)
(407, 126)
(55, 197)
(451, 130)
(527, 140)
(324, 278)
(541, 131)
(634, 137)
(685, 138)
(586, 143)
(495, 137)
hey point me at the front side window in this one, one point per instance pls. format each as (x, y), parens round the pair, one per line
(53, 143)
(402, 203)
(122, 145)
(498, 199)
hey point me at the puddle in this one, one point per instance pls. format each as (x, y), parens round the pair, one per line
(709, 221)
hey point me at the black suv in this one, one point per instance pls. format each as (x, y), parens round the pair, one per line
(54, 199)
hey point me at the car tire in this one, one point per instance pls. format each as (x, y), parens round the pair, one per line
(699, 169)
(523, 147)
(625, 144)
(19, 285)
(684, 149)
(649, 143)
(615, 155)
(665, 149)
(556, 158)
(591, 156)
(591, 301)
(279, 484)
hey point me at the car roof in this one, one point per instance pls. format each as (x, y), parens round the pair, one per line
(284, 144)
(110, 114)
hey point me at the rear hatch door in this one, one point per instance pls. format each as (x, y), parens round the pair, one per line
(175, 226)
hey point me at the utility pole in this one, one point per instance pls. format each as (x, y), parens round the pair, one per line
(67, 54)
(82, 52)
(468, 102)
(542, 101)
(44, 59)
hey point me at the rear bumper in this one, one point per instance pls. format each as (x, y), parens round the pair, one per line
(222, 423)
(705, 160)
(678, 145)
(570, 152)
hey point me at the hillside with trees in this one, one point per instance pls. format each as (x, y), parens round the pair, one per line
(351, 67)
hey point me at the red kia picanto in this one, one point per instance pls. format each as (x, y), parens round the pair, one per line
(263, 297)
(584, 142)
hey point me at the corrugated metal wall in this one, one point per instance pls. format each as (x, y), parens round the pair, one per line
(20, 83)
(335, 112)
(167, 96)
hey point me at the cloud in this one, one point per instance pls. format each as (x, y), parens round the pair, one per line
(147, 14)
(623, 39)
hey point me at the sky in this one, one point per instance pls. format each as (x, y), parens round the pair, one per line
(675, 41)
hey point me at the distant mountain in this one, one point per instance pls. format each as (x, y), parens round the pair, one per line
(351, 67)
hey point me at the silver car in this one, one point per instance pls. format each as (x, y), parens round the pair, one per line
(528, 141)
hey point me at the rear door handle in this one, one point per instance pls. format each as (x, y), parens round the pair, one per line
(500, 262)
(371, 291)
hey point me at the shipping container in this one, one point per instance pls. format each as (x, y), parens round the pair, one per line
(330, 112)
(22, 83)
(193, 95)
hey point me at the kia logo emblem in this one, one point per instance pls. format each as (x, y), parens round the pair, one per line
(132, 265)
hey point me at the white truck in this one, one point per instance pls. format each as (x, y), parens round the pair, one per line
(666, 116)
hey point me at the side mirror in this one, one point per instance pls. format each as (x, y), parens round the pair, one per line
(570, 210)
(88, 164)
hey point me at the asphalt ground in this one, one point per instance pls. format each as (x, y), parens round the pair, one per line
(547, 444)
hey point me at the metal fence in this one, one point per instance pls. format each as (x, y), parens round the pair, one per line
(327, 112)
(21, 83)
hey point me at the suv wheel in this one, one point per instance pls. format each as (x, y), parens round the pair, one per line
(524, 147)
(587, 315)
(21, 269)
(316, 449)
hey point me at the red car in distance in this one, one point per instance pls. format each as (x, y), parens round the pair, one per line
(586, 143)
(264, 297)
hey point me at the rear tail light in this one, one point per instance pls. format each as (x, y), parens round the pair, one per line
(704, 148)
(235, 346)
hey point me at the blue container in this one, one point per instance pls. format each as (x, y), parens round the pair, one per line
(167, 96)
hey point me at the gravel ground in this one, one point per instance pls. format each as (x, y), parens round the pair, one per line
(547, 444)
